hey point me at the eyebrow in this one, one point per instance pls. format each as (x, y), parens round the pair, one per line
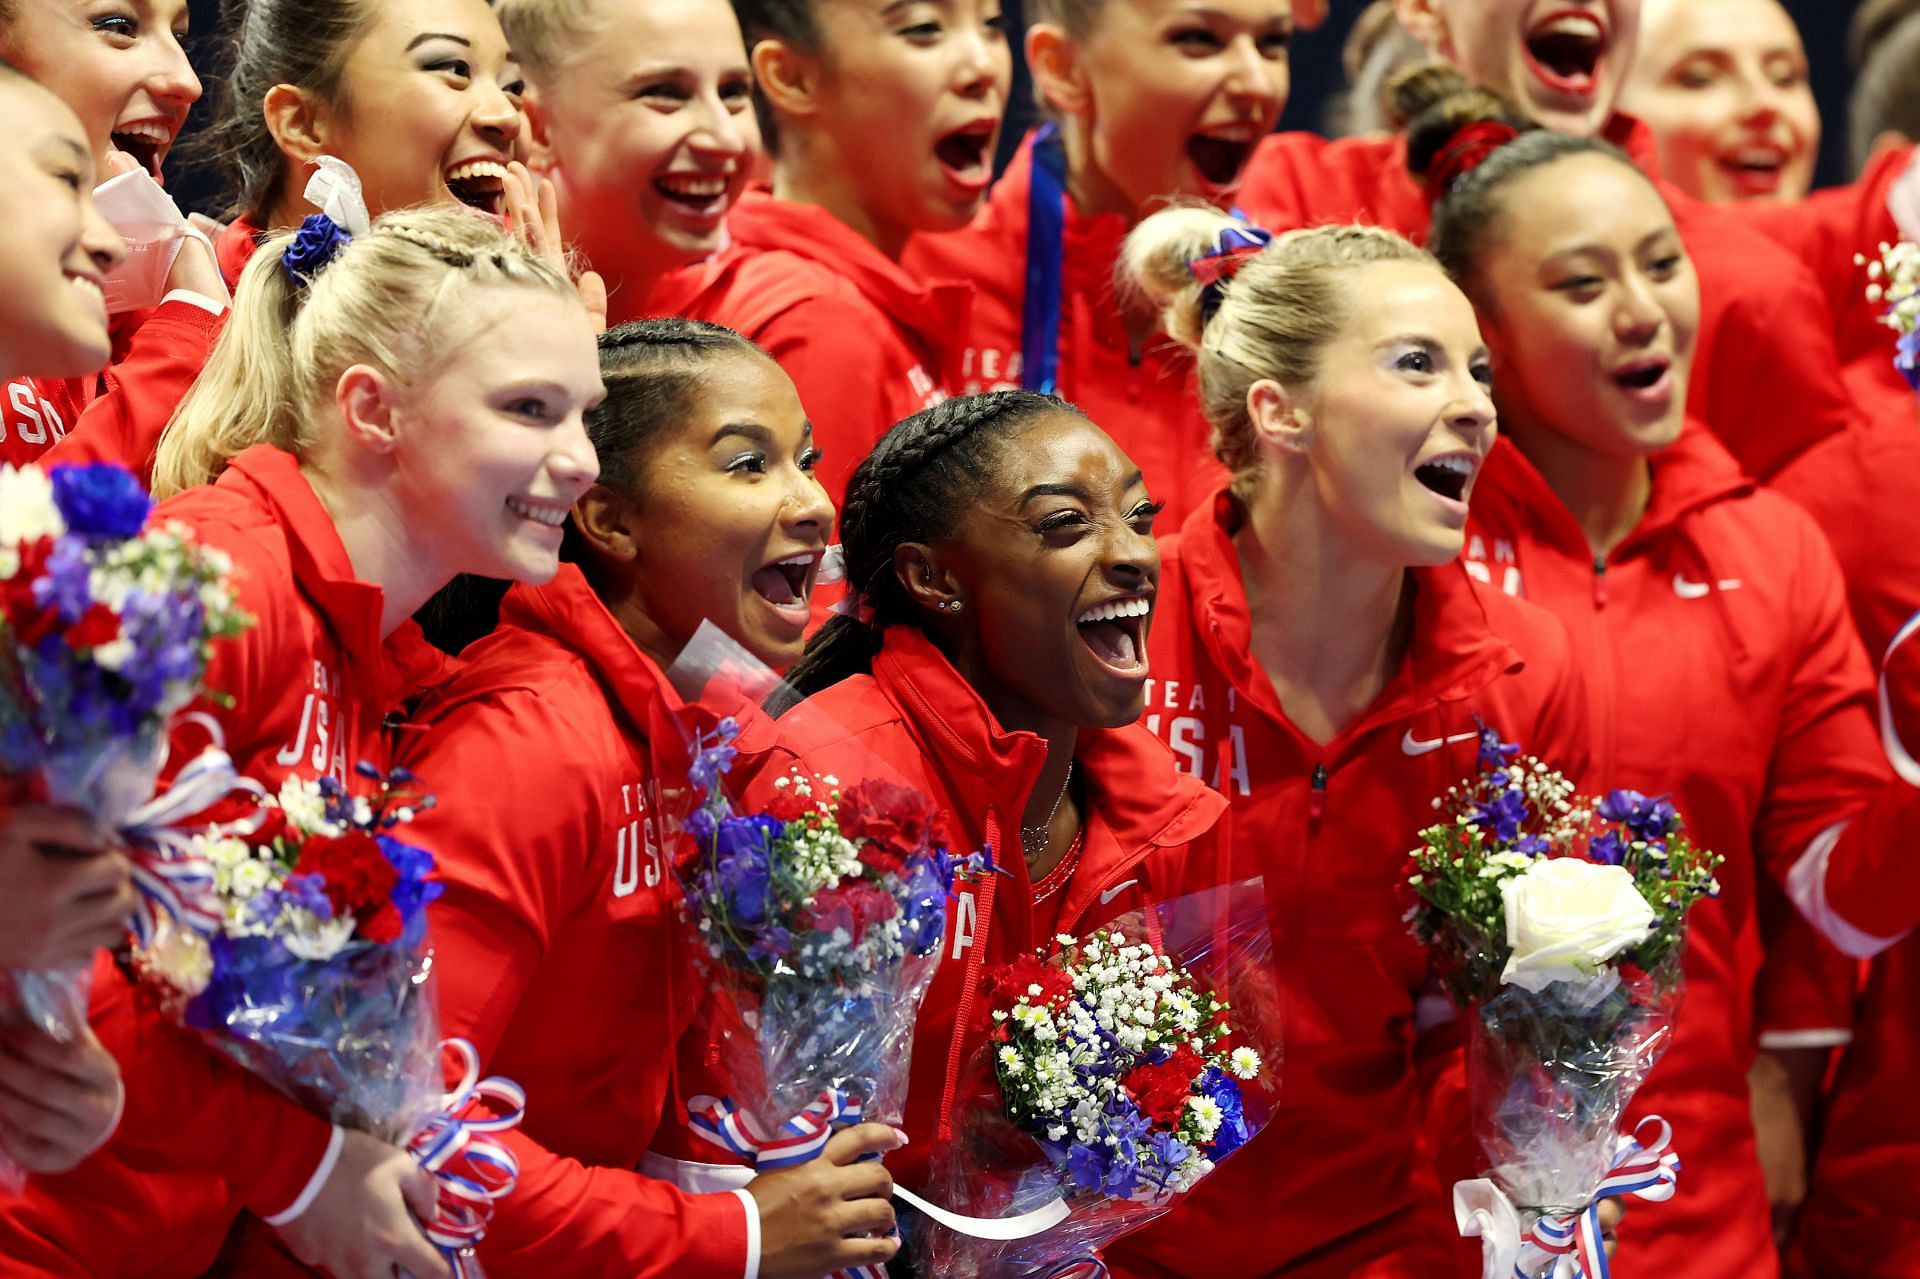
(1641, 244)
(71, 149)
(1073, 490)
(425, 36)
(745, 430)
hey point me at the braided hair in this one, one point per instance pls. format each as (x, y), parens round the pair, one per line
(914, 487)
(1467, 185)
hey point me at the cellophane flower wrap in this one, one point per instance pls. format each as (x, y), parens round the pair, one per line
(1558, 923)
(106, 629)
(1121, 1067)
(317, 978)
(819, 916)
(1894, 284)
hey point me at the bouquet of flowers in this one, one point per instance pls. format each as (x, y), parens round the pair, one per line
(1117, 1074)
(106, 628)
(821, 916)
(1894, 281)
(1558, 922)
(316, 977)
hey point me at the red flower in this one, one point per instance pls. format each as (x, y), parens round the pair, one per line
(786, 806)
(1006, 984)
(17, 604)
(895, 822)
(358, 876)
(382, 925)
(852, 906)
(273, 825)
(98, 625)
(1161, 1091)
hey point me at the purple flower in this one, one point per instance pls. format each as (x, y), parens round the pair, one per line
(742, 873)
(318, 239)
(713, 754)
(1494, 753)
(1647, 819)
(100, 499)
(1907, 358)
(1502, 815)
(1608, 849)
(773, 943)
(63, 586)
(1233, 1131)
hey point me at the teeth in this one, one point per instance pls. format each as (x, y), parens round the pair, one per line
(539, 515)
(1572, 24)
(150, 130)
(89, 286)
(477, 169)
(801, 560)
(1117, 609)
(1452, 462)
(706, 188)
(1759, 158)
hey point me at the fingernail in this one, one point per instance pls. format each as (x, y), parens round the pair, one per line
(901, 1134)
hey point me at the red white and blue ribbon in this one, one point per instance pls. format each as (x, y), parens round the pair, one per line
(1081, 1267)
(471, 1169)
(173, 879)
(1571, 1246)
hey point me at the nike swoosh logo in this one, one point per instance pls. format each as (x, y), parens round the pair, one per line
(1687, 590)
(1414, 746)
(1116, 890)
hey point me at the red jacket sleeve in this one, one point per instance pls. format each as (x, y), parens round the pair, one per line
(141, 389)
(1804, 994)
(512, 869)
(829, 348)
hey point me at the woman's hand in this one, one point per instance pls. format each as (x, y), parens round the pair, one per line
(533, 213)
(64, 891)
(365, 1221)
(830, 1213)
(59, 1102)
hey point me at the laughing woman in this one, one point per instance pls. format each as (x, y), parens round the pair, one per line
(984, 536)
(1325, 661)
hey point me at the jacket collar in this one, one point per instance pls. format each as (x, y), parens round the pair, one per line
(933, 311)
(567, 612)
(234, 247)
(1452, 654)
(1132, 782)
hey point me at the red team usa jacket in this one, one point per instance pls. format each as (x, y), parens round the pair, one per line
(1335, 1187)
(311, 686)
(119, 415)
(1724, 670)
(1038, 263)
(1765, 370)
(863, 339)
(558, 938)
(1149, 836)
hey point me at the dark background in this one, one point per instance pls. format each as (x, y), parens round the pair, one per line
(1317, 75)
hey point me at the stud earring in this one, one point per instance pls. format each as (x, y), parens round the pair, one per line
(951, 606)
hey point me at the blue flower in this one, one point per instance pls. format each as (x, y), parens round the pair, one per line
(774, 942)
(64, 584)
(742, 872)
(1608, 849)
(416, 887)
(713, 754)
(100, 499)
(1502, 815)
(1907, 358)
(1494, 753)
(923, 906)
(1233, 1131)
(1647, 819)
(314, 245)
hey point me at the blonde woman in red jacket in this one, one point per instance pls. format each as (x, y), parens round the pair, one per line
(1326, 664)
(1710, 619)
(351, 477)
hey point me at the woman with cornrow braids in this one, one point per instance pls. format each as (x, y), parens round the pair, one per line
(381, 413)
(992, 652)
(1327, 663)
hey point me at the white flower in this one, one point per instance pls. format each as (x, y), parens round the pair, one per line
(310, 937)
(1244, 1063)
(27, 510)
(1566, 917)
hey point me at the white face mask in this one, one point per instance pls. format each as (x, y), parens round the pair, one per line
(151, 226)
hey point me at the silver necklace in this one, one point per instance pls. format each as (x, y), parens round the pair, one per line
(1033, 839)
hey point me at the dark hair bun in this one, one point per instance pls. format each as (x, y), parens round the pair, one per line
(1437, 102)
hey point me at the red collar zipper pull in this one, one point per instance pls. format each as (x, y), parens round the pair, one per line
(1599, 582)
(1317, 797)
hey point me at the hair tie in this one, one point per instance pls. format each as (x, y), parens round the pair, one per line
(1465, 151)
(1232, 247)
(335, 190)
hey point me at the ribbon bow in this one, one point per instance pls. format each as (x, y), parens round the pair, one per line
(472, 1169)
(172, 879)
(1232, 247)
(1572, 1244)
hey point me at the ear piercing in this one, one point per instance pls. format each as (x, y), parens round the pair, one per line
(950, 606)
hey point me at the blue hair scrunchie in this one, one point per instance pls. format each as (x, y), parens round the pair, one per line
(314, 246)
(1231, 248)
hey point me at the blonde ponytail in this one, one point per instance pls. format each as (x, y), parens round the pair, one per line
(1272, 318)
(382, 301)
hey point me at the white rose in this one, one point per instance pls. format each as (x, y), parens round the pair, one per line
(1567, 917)
(27, 509)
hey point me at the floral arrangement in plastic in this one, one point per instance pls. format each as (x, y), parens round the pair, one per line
(315, 975)
(1894, 281)
(1558, 921)
(106, 628)
(1115, 1076)
(823, 915)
